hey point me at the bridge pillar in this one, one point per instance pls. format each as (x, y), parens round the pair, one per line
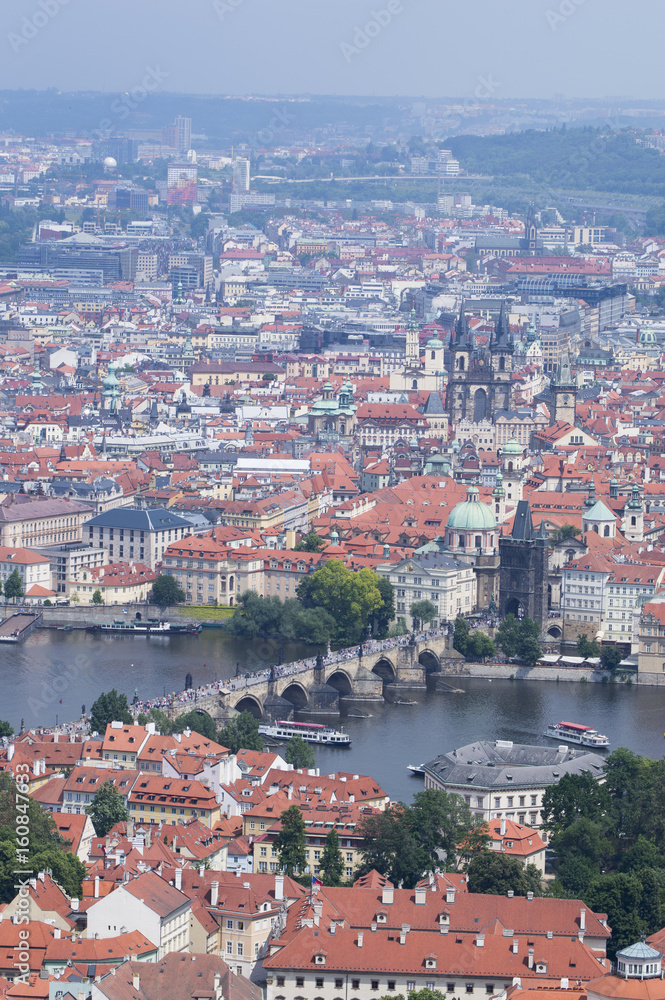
(410, 672)
(367, 686)
(275, 707)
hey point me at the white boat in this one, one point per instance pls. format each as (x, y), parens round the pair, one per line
(417, 769)
(311, 732)
(573, 732)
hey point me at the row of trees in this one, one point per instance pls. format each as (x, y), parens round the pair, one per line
(609, 840)
(333, 604)
(515, 637)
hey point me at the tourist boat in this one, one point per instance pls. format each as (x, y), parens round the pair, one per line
(311, 732)
(148, 626)
(573, 732)
(417, 769)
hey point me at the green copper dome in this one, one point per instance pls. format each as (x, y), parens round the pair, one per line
(512, 447)
(471, 514)
(435, 344)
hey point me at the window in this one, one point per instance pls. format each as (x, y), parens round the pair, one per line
(229, 947)
(300, 982)
(375, 984)
(339, 984)
(281, 981)
(489, 988)
(450, 987)
(355, 984)
(410, 985)
(391, 984)
(468, 987)
(318, 982)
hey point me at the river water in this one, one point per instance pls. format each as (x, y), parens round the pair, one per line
(52, 674)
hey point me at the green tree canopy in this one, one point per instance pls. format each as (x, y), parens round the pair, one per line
(496, 873)
(97, 597)
(351, 598)
(392, 846)
(461, 635)
(386, 613)
(109, 707)
(331, 867)
(14, 586)
(6, 729)
(610, 657)
(572, 797)
(422, 612)
(241, 733)
(310, 543)
(107, 808)
(199, 722)
(290, 842)
(299, 754)
(479, 646)
(166, 592)
(587, 648)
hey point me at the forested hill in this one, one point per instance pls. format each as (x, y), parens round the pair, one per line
(575, 159)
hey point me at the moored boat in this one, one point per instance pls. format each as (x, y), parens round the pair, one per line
(311, 732)
(573, 732)
(417, 769)
(147, 626)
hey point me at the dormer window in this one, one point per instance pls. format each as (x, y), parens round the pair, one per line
(381, 918)
(541, 967)
(430, 961)
(320, 958)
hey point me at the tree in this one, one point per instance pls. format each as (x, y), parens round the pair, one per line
(332, 866)
(443, 821)
(461, 635)
(241, 733)
(97, 597)
(530, 650)
(74, 598)
(610, 657)
(519, 638)
(299, 754)
(107, 808)
(198, 722)
(507, 635)
(572, 797)
(479, 646)
(6, 729)
(496, 873)
(290, 842)
(310, 543)
(422, 612)
(162, 722)
(391, 846)
(351, 598)
(586, 648)
(386, 613)
(42, 848)
(14, 586)
(166, 592)
(109, 707)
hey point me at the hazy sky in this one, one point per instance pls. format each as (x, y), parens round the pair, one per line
(522, 48)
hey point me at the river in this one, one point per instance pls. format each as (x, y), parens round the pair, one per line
(52, 674)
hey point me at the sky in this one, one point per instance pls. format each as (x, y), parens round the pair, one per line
(433, 48)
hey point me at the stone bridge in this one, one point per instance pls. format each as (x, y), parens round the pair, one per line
(384, 672)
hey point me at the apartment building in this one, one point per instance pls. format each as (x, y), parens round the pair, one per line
(446, 581)
(33, 568)
(148, 904)
(129, 533)
(651, 644)
(36, 523)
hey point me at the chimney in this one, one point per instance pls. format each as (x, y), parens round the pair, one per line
(56, 737)
(214, 893)
(57, 933)
(360, 939)
(503, 828)
(74, 903)
(530, 961)
(480, 941)
(202, 869)
(450, 894)
(511, 893)
(564, 982)
(516, 946)
(136, 982)
(583, 919)
(421, 895)
(279, 888)
(178, 878)
(96, 888)
(387, 895)
(10, 751)
(529, 896)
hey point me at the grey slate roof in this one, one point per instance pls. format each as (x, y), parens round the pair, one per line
(152, 519)
(493, 765)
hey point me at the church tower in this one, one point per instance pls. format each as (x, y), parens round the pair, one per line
(523, 568)
(633, 521)
(501, 351)
(563, 389)
(531, 231)
(412, 339)
(461, 354)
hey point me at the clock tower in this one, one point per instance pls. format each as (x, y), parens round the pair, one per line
(563, 390)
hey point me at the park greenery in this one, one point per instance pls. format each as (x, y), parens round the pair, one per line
(107, 808)
(497, 873)
(609, 841)
(45, 848)
(299, 754)
(14, 586)
(109, 707)
(166, 592)
(333, 604)
(406, 842)
(610, 655)
(520, 638)
(476, 646)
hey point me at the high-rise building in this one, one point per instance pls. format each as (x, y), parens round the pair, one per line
(178, 135)
(240, 174)
(181, 184)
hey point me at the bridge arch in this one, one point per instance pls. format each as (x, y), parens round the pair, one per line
(249, 704)
(297, 695)
(430, 661)
(385, 669)
(341, 681)
(554, 631)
